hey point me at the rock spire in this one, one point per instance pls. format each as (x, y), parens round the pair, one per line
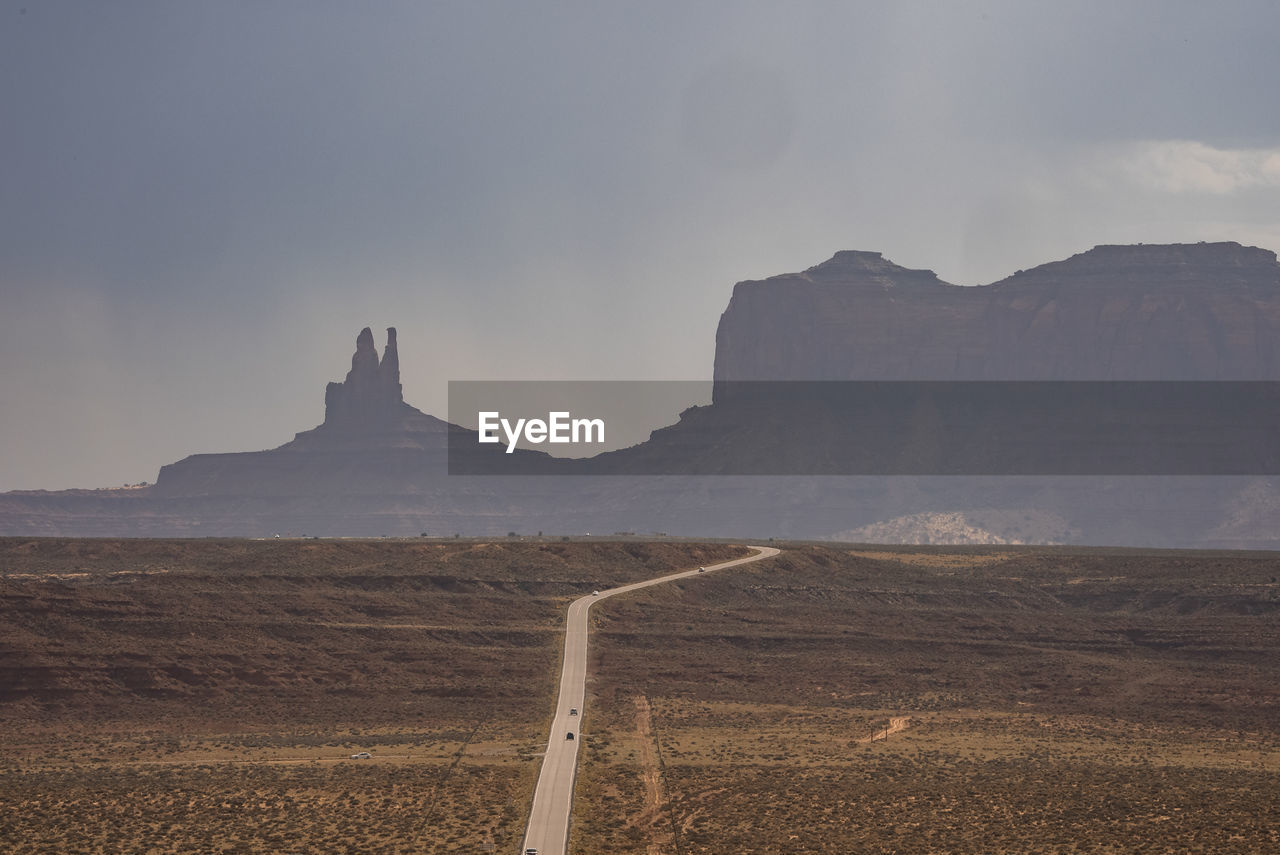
(370, 397)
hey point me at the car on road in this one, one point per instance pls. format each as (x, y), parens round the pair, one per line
(573, 711)
(702, 569)
(531, 851)
(363, 755)
(569, 736)
(595, 593)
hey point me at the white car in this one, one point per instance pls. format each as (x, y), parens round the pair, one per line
(363, 755)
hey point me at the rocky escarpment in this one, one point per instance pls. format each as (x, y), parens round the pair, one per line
(1208, 311)
(378, 466)
(367, 409)
(375, 463)
(370, 443)
(370, 396)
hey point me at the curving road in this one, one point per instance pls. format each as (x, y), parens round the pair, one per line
(548, 829)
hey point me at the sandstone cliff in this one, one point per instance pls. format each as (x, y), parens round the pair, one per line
(378, 466)
(370, 397)
(370, 443)
(1206, 311)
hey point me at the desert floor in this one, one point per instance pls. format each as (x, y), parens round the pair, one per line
(178, 696)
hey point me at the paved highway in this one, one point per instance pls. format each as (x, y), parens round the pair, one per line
(548, 829)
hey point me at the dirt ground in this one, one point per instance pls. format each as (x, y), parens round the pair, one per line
(897, 700)
(208, 696)
(183, 696)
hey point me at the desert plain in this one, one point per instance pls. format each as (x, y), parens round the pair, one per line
(170, 696)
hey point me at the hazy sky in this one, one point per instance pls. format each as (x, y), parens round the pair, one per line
(201, 203)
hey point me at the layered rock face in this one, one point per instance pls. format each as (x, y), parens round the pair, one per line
(371, 443)
(1206, 311)
(1162, 312)
(371, 396)
(378, 466)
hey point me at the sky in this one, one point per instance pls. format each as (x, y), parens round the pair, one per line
(201, 204)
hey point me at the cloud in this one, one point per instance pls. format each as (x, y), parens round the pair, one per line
(1188, 166)
(553, 190)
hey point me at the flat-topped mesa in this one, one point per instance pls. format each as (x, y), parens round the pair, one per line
(1193, 311)
(370, 397)
(1159, 266)
(838, 320)
(1205, 255)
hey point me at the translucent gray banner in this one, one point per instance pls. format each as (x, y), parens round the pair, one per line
(864, 428)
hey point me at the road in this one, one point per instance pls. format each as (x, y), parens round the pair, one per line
(548, 829)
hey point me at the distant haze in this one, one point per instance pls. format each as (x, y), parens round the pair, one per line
(201, 204)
